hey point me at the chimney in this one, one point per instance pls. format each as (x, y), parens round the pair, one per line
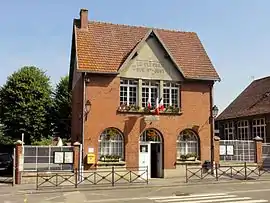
(84, 18)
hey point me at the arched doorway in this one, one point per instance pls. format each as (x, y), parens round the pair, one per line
(151, 152)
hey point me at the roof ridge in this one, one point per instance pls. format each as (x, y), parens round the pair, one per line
(263, 78)
(140, 26)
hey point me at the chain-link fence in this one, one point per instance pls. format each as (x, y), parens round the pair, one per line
(37, 158)
(237, 150)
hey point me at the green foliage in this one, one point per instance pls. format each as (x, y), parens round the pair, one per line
(62, 109)
(43, 141)
(4, 139)
(25, 104)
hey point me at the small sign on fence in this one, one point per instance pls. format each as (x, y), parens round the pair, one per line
(58, 157)
(226, 150)
(63, 157)
(230, 150)
(222, 150)
(68, 157)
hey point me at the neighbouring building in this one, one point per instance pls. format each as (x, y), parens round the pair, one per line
(119, 75)
(247, 117)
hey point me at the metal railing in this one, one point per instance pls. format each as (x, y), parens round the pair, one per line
(104, 176)
(217, 172)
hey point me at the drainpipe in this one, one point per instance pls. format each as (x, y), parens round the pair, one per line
(212, 127)
(83, 114)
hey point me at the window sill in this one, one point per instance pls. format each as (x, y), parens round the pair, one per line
(103, 163)
(149, 113)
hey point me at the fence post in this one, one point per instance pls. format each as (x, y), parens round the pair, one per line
(56, 179)
(76, 155)
(245, 165)
(216, 165)
(18, 162)
(186, 174)
(217, 149)
(37, 181)
(147, 175)
(113, 176)
(258, 150)
(76, 177)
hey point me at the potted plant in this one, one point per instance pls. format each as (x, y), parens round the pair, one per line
(134, 108)
(191, 157)
(102, 158)
(183, 157)
(172, 109)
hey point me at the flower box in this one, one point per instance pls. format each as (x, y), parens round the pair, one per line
(110, 158)
(189, 157)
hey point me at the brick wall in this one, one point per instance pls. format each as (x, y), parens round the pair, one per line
(103, 92)
(76, 121)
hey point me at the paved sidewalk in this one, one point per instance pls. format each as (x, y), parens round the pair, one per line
(153, 183)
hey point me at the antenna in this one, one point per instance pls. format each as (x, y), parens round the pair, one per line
(252, 77)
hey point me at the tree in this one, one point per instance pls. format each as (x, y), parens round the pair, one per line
(5, 140)
(25, 104)
(62, 109)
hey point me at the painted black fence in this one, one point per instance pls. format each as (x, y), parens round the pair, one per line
(217, 172)
(102, 176)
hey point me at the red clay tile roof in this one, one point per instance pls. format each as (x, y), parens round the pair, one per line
(254, 100)
(105, 46)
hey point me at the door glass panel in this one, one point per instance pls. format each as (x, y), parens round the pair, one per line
(143, 148)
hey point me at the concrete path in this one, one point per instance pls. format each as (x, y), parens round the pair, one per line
(245, 191)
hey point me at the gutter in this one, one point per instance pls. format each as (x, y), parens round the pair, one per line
(83, 109)
(212, 122)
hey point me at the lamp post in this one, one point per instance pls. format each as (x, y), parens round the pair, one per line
(214, 115)
(87, 107)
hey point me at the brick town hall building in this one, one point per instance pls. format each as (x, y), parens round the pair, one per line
(120, 75)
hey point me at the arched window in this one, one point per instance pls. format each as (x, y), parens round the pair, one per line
(111, 144)
(187, 143)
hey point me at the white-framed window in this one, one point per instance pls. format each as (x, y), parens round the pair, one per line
(170, 94)
(128, 92)
(149, 88)
(243, 130)
(229, 130)
(187, 143)
(259, 128)
(111, 142)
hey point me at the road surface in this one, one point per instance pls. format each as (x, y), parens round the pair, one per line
(241, 192)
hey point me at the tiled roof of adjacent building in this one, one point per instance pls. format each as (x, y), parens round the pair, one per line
(254, 100)
(103, 47)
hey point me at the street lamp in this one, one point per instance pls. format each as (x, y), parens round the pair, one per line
(87, 107)
(214, 111)
(214, 115)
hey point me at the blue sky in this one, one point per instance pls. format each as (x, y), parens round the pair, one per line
(235, 34)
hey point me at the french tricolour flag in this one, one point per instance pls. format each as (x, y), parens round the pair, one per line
(157, 106)
(161, 105)
(149, 102)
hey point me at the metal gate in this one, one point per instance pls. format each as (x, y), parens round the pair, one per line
(237, 150)
(38, 158)
(266, 154)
